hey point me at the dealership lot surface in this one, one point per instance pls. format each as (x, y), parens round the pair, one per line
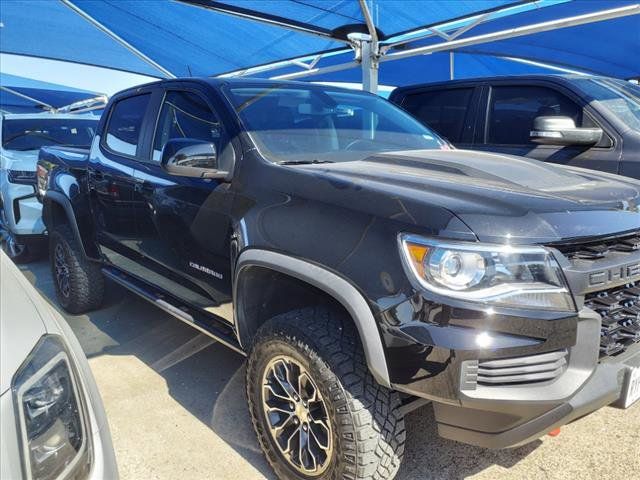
(176, 407)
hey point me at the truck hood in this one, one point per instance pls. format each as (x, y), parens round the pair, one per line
(499, 196)
(20, 160)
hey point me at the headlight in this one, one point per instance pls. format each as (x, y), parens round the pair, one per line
(51, 414)
(507, 276)
(25, 177)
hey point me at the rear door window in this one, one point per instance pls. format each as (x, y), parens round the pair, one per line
(125, 125)
(512, 110)
(445, 111)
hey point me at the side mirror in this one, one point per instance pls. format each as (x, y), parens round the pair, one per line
(186, 157)
(562, 131)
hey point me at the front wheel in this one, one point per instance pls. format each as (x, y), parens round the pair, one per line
(317, 410)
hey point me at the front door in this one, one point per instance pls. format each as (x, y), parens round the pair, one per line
(509, 121)
(184, 228)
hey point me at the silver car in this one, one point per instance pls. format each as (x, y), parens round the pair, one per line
(53, 421)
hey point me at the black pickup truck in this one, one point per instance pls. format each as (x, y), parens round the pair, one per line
(578, 120)
(362, 264)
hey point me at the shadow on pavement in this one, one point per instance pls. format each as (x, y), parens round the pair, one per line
(207, 379)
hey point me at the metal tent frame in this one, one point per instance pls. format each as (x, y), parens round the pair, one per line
(364, 41)
(97, 102)
(370, 51)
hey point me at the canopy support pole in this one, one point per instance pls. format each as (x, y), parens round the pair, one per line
(166, 73)
(451, 66)
(369, 65)
(367, 51)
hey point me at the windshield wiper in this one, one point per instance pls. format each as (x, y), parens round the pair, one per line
(304, 162)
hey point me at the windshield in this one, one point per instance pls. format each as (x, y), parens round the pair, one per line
(33, 133)
(619, 97)
(292, 124)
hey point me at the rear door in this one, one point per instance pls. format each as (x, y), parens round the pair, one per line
(111, 179)
(183, 225)
(449, 111)
(511, 108)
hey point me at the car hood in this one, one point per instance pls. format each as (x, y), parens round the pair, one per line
(20, 160)
(499, 196)
(20, 321)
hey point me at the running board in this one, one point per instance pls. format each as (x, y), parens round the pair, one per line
(201, 321)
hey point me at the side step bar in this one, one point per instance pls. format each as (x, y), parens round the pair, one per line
(201, 321)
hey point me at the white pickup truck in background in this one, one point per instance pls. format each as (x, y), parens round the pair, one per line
(21, 136)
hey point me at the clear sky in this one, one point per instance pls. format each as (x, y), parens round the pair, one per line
(84, 77)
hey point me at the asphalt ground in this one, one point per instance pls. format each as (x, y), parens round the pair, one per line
(176, 407)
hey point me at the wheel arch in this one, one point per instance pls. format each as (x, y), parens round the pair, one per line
(56, 209)
(330, 284)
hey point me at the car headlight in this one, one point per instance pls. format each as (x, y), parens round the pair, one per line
(25, 177)
(52, 419)
(500, 275)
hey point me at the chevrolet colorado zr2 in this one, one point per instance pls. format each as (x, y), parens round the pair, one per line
(362, 264)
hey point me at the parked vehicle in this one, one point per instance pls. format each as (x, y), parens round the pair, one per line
(360, 263)
(21, 136)
(584, 121)
(53, 422)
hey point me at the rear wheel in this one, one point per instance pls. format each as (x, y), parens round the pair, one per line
(79, 281)
(316, 408)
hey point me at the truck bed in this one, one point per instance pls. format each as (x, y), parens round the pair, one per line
(70, 157)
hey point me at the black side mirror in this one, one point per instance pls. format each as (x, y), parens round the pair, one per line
(562, 131)
(187, 157)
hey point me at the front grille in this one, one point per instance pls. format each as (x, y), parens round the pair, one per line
(602, 248)
(518, 370)
(620, 311)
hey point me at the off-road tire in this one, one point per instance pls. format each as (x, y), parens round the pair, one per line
(367, 423)
(85, 280)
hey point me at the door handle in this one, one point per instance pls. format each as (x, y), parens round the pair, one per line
(141, 185)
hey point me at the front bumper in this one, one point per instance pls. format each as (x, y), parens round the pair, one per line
(602, 388)
(470, 409)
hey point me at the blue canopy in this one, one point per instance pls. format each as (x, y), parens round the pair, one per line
(206, 37)
(25, 95)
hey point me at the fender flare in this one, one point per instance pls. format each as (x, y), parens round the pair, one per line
(58, 198)
(335, 286)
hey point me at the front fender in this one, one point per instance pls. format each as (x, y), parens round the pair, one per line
(56, 209)
(335, 286)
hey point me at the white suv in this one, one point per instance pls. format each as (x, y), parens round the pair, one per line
(21, 136)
